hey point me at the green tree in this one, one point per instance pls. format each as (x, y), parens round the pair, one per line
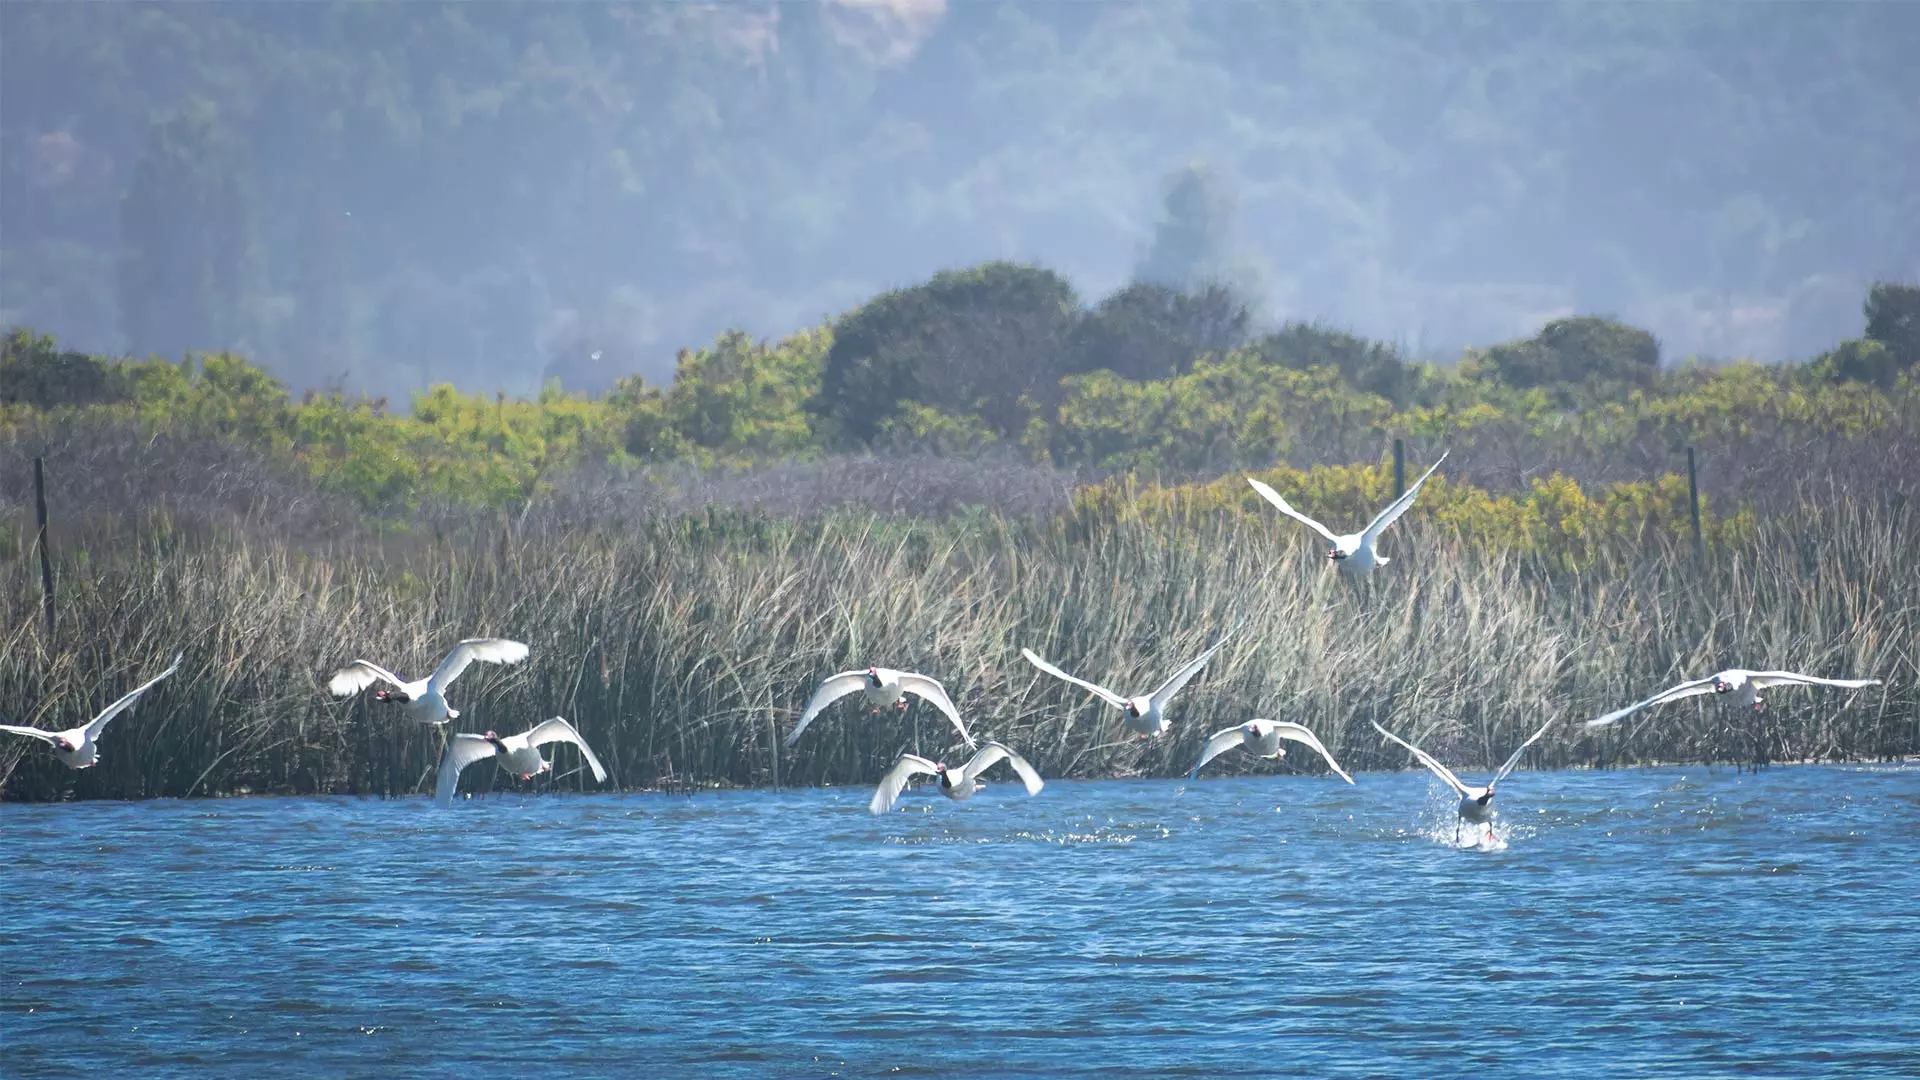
(1893, 320)
(1372, 366)
(1574, 355)
(34, 371)
(984, 340)
(1149, 331)
(186, 238)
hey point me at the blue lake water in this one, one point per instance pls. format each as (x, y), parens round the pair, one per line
(1671, 922)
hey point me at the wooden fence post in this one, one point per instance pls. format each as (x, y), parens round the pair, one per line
(1399, 467)
(1693, 505)
(46, 556)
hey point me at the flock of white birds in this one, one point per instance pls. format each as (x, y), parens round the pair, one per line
(1144, 716)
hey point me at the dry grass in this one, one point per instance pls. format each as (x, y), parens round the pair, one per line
(684, 647)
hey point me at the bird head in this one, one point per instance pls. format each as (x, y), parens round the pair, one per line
(1720, 685)
(1336, 554)
(873, 676)
(1486, 796)
(395, 697)
(492, 738)
(1130, 708)
(65, 745)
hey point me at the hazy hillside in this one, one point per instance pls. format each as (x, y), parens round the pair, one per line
(383, 195)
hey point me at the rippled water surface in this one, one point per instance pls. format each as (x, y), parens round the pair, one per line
(1679, 922)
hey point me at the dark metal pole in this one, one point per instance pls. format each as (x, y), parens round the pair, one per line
(46, 557)
(1693, 504)
(1399, 467)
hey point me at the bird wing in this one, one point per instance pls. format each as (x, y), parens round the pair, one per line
(931, 690)
(1105, 694)
(487, 650)
(558, 730)
(908, 766)
(48, 737)
(1399, 506)
(1514, 759)
(1792, 678)
(990, 754)
(462, 750)
(1426, 759)
(1185, 675)
(1691, 688)
(1299, 733)
(832, 690)
(1280, 504)
(359, 675)
(1219, 743)
(99, 723)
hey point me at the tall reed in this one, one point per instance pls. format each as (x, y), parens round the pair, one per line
(684, 647)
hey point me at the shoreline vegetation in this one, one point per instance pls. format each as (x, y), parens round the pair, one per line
(687, 561)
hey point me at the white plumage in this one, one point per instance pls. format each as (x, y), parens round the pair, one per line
(517, 754)
(1744, 685)
(1144, 715)
(425, 700)
(1476, 803)
(1355, 553)
(956, 784)
(79, 748)
(882, 687)
(1263, 738)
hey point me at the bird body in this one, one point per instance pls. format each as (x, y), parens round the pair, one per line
(1476, 802)
(881, 687)
(1144, 715)
(956, 784)
(1263, 738)
(1355, 554)
(79, 747)
(1743, 685)
(517, 754)
(425, 700)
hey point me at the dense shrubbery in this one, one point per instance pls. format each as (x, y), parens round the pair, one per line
(1003, 356)
(679, 556)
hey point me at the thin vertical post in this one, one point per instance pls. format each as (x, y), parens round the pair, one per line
(1693, 504)
(773, 740)
(1399, 467)
(46, 556)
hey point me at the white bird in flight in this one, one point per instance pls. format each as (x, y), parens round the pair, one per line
(956, 784)
(1263, 738)
(79, 748)
(1476, 803)
(882, 687)
(1355, 553)
(425, 699)
(1743, 684)
(1144, 715)
(518, 754)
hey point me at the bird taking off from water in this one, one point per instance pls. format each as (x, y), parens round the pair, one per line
(1476, 803)
(1744, 685)
(1263, 738)
(79, 748)
(882, 687)
(518, 754)
(956, 784)
(1353, 554)
(425, 699)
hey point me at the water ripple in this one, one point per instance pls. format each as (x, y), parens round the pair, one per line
(1678, 922)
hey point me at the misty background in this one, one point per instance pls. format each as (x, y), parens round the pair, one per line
(376, 196)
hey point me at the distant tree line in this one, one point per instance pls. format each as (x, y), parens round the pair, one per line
(1005, 358)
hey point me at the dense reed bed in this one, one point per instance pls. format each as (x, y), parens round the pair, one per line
(684, 645)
